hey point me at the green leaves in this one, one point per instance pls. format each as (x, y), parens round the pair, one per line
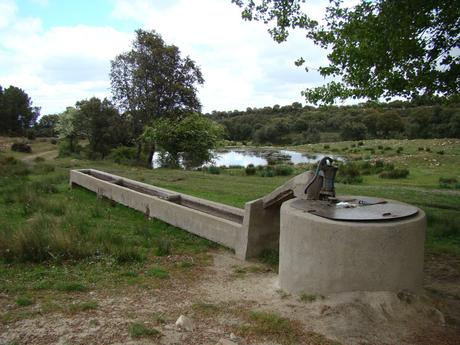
(377, 48)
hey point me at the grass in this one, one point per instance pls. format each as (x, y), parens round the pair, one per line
(24, 301)
(82, 307)
(138, 330)
(271, 326)
(158, 272)
(58, 242)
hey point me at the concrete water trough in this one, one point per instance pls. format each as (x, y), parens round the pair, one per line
(247, 231)
(325, 247)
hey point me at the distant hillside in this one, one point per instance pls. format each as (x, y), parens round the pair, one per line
(297, 124)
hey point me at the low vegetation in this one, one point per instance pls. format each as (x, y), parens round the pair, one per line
(59, 244)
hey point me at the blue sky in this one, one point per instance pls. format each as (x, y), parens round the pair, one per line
(59, 51)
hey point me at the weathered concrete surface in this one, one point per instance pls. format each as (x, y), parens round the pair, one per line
(247, 231)
(323, 256)
(203, 224)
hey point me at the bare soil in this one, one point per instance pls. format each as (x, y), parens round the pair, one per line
(219, 297)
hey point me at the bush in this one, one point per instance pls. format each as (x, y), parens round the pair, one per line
(349, 173)
(394, 174)
(123, 154)
(440, 152)
(400, 149)
(283, 170)
(267, 172)
(250, 169)
(53, 141)
(449, 182)
(21, 147)
(214, 170)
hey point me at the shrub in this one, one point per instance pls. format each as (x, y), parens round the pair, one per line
(440, 152)
(283, 170)
(250, 170)
(267, 172)
(21, 147)
(53, 141)
(326, 147)
(123, 154)
(214, 170)
(360, 143)
(394, 174)
(31, 135)
(400, 149)
(349, 173)
(449, 182)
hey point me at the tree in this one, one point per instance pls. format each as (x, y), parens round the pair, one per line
(68, 130)
(46, 126)
(153, 81)
(380, 48)
(187, 140)
(100, 122)
(353, 131)
(16, 111)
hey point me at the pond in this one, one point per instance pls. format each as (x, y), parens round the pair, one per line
(244, 157)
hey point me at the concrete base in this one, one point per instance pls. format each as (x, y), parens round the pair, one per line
(323, 256)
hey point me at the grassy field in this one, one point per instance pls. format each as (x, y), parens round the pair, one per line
(57, 243)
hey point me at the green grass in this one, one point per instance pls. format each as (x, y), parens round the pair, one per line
(24, 301)
(82, 307)
(271, 326)
(57, 241)
(138, 330)
(158, 272)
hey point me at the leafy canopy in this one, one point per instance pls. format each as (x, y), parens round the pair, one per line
(380, 48)
(187, 140)
(152, 80)
(17, 114)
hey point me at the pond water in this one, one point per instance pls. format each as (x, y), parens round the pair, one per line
(244, 157)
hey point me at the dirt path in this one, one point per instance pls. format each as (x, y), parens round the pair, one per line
(49, 155)
(218, 302)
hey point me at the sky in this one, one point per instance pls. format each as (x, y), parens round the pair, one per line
(59, 51)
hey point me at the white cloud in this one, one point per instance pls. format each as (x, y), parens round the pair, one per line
(60, 66)
(242, 65)
(8, 11)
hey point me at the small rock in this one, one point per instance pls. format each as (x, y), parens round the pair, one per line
(224, 341)
(233, 336)
(185, 323)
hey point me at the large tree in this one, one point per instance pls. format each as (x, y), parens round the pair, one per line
(17, 114)
(100, 122)
(381, 48)
(152, 81)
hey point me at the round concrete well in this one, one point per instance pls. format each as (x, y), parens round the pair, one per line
(319, 255)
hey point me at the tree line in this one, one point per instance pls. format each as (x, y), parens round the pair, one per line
(296, 124)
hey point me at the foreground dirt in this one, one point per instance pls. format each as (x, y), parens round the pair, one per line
(218, 302)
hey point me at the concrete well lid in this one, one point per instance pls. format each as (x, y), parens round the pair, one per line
(356, 208)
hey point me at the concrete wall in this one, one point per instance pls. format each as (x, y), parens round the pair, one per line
(322, 256)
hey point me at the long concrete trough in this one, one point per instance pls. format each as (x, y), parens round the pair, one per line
(247, 231)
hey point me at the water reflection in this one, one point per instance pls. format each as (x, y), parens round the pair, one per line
(244, 157)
